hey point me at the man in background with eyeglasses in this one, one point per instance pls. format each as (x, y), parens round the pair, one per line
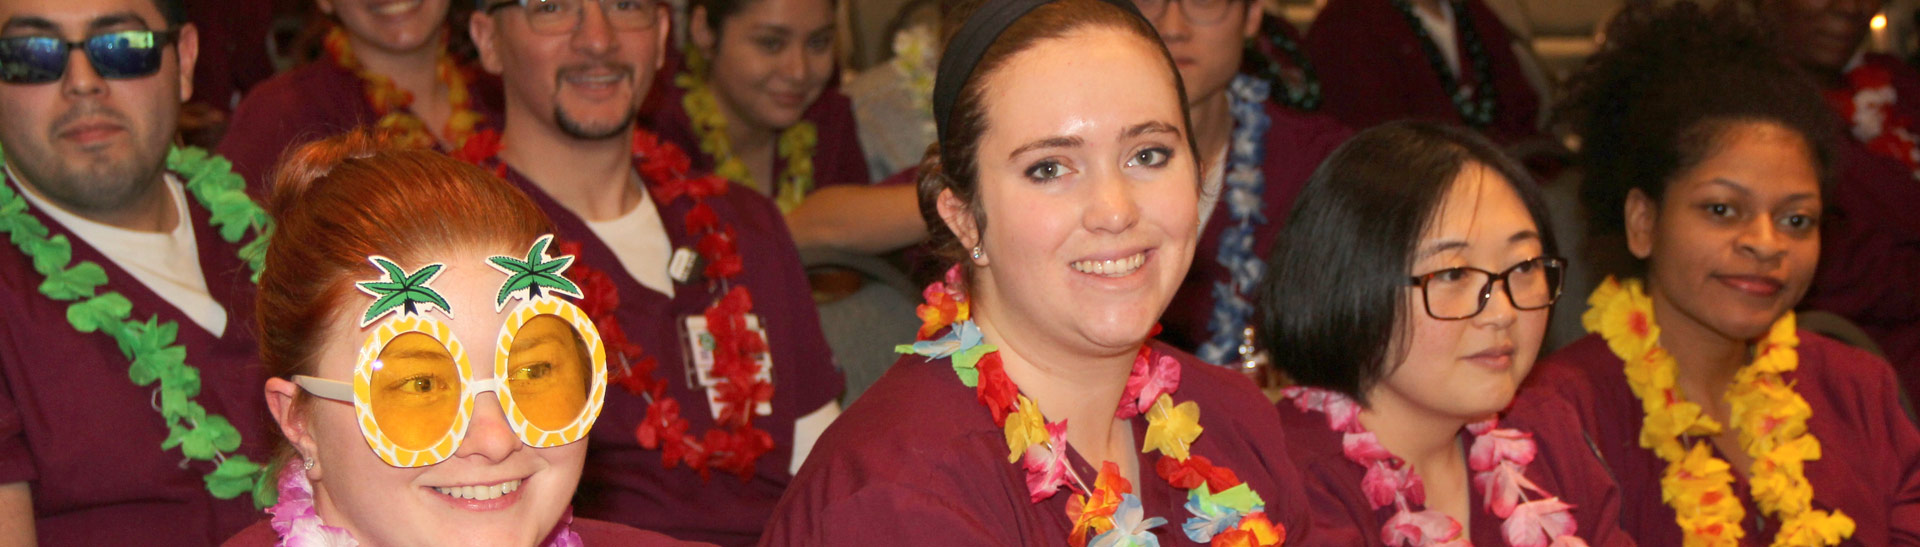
(130, 412)
(575, 73)
(1258, 148)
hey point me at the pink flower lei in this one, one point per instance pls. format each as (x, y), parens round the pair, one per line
(299, 525)
(1498, 458)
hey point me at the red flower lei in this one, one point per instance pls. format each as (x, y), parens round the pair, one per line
(390, 103)
(733, 445)
(1866, 103)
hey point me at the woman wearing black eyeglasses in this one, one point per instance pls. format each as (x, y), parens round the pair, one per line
(1408, 297)
(385, 64)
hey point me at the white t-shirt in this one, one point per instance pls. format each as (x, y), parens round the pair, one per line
(167, 263)
(639, 239)
(1441, 29)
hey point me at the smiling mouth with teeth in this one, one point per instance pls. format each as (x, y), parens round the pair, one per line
(392, 8)
(1118, 267)
(479, 493)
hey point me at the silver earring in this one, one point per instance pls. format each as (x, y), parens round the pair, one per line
(979, 253)
(306, 463)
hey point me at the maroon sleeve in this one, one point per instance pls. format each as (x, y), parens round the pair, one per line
(1339, 513)
(1569, 457)
(1870, 255)
(303, 104)
(16, 460)
(838, 158)
(1879, 407)
(882, 513)
(1356, 64)
(594, 533)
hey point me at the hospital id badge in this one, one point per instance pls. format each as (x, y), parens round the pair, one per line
(699, 356)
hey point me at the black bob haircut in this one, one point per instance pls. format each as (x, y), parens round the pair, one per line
(1334, 297)
(1665, 90)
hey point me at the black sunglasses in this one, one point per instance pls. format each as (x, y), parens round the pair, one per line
(115, 55)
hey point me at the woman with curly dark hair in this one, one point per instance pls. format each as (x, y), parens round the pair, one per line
(1708, 153)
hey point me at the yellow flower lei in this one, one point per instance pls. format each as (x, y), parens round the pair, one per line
(796, 146)
(391, 104)
(1771, 419)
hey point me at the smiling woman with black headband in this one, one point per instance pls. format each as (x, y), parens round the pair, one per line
(1066, 198)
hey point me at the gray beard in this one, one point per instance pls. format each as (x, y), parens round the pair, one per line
(576, 129)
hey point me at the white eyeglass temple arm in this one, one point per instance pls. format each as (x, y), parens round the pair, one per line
(326, 389)
(341, 391)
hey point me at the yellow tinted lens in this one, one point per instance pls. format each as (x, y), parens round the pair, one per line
(415, 391)
(549, 372)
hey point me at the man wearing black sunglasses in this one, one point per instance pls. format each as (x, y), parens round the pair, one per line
(114, 270)
(575, 73)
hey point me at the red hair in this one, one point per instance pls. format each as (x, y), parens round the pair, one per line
(339, 200)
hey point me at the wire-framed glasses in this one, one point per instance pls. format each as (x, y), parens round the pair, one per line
(1199, 12)
(564, 16)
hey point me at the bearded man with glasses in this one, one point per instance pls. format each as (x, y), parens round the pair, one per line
(129, 409)
(724, 377)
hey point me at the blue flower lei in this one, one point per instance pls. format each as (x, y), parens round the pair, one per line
(1245, 187)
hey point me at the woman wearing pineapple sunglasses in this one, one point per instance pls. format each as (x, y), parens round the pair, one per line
(430, 371)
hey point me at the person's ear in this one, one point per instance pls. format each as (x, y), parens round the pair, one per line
(281, 398)
(959, 218)
(187, 48)
(1251, 28)
(484, 30)
(1642, 214)
(704, 37)
(663, 28)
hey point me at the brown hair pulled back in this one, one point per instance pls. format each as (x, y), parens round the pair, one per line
(951, 163)
(339, 200)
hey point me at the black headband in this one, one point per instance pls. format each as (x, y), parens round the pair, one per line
(982, 28)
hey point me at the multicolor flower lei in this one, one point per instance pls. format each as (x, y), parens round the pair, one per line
(1771, 418)
(1245, 189)
(1498, 458)
(734, 445)
(391, 104)
(1475, 102)
(150, 344)
(1226, 511)
(796, 143)
(1867, 104)
(298, 522)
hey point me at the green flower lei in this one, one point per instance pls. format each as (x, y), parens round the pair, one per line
(150, 344)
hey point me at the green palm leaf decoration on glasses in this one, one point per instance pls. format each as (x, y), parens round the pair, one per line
(403, 291)
(534, 273)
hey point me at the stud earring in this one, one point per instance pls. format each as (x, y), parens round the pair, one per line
(979, 253)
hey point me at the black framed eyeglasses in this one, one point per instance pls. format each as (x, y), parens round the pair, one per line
(115, 55)
(1460, 293)
(1199, 12)
(564, 16)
